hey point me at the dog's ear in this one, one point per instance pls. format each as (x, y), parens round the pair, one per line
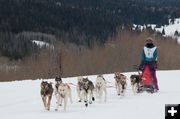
(42, 80)
(99, 75)
(116, 74)
(42, 83)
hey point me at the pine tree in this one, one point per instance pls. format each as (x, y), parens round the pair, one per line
(176, 33)
(163, 32)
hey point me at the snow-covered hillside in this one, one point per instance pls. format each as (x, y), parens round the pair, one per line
(21, 100)
(169, 30)
(42, 44)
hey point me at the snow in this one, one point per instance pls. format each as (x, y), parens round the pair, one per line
(21, 99)
(42, 44)
(169, 29)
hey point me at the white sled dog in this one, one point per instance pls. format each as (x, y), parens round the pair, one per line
(58, 81)
(100, 87)
(79, 88)
(120, 83)
(64, 92)
(87, 91)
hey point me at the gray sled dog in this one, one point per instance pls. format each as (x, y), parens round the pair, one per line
(100, 86)
(46, 94)
(136, 83)
(79, 88)
(64, 92)
(87, 91)
(120, 83)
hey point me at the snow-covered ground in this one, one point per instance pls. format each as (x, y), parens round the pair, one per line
(21, 100)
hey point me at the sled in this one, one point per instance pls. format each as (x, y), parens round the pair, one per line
(147, 80)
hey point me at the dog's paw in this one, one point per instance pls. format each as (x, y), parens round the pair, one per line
(79, 101)
(47, 108)
(93, 99)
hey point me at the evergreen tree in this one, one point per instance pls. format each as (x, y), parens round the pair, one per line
(176, 33)
(163, 32)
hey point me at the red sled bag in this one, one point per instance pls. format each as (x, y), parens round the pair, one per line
(146, 76)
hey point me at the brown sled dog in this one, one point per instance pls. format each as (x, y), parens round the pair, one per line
(46, 94)
(120, 83)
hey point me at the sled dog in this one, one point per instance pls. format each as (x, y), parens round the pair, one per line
(120, 83)
(87, 91)
(58, 81)
(46, 94)
(100, 87)
(64, 92)
(135, 83)
(79, 88)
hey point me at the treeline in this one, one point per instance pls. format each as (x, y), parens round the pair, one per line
(21, 45)
(15, 47)
(83, 21)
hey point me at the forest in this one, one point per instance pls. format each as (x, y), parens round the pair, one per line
(85, 36)
(81, 22)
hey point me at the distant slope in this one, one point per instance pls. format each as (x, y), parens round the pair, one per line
(82, 22)
(171, 29)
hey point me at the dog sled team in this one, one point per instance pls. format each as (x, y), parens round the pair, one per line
(87, 90)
